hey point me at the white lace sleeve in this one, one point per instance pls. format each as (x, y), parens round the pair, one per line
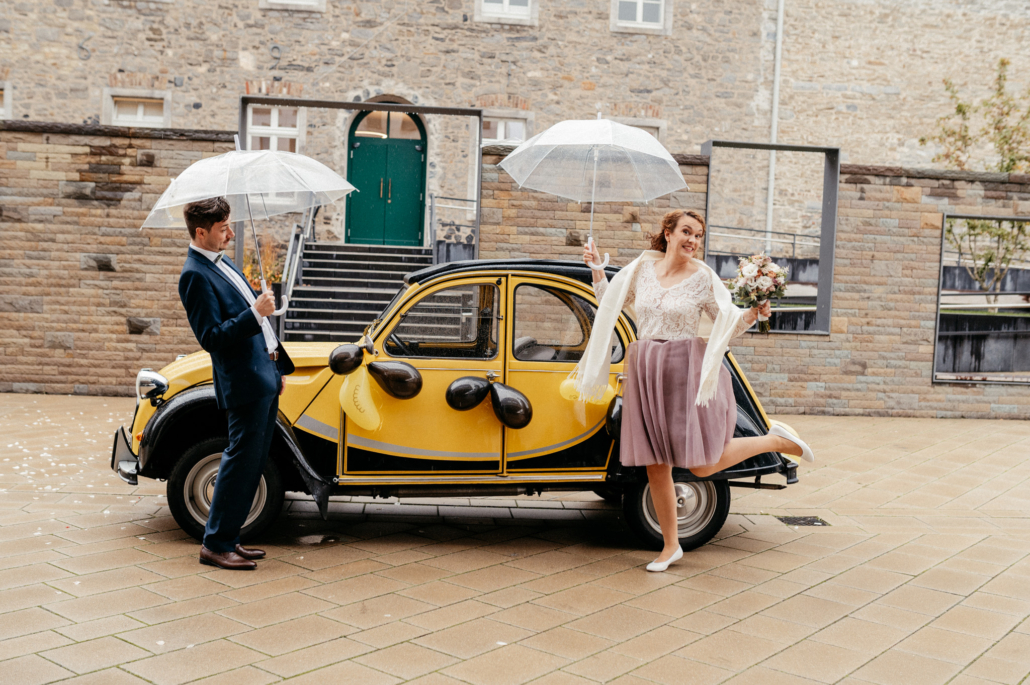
(712, 310)
(601, 286)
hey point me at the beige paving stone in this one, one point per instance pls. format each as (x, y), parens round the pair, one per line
(389, 634)
(453, 614)
(248, 675)
(977, 622)
(509, 665)
(290, 636)
(346, 673)
(730, 650)
(178, 634)
(312, 658)
(473, 638)
(26, 621)
(378, 611)
(861, 636)
(944, 645)
(107, 604)
(435, 679)
(440, 593)
(901, 667)
(759, 675)
(570, 644)
(32, 670)
(492, 578)
(186, 587)
(95, 654)
(184, 665)
(172, 611)
(619, 623)
(561, 678)
(743, 604)
(656, 643)
(509, 597)
(416, 574)
(406, 661)
(774, 629)
(704, 622)
(275, 609)
(818, 661)
(673, 670)
(533, 617)
(110, 676)
(268, 589)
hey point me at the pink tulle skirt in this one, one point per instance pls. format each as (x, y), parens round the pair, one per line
(661, 424)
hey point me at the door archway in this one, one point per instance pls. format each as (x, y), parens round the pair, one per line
(387, 164)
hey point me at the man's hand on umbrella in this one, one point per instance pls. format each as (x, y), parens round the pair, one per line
(265, 303)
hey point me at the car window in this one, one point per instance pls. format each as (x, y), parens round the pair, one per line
(459, 322)
(553, 325)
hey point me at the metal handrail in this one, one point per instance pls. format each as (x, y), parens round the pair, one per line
(793, 242)
(291, 266)
(434, 205)
(986, 305)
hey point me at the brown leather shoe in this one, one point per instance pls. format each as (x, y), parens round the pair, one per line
(227, 560)
(250, 553)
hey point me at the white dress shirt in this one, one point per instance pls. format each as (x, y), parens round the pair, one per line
(271, 343)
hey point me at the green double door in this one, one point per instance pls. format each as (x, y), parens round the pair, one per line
(389, 172)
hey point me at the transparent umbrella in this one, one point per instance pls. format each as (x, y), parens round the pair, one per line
(595, 161)
(256, 184)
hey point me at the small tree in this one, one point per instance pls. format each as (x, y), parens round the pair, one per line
(1001, 122)
(987, 248)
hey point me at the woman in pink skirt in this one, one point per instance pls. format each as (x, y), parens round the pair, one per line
(678, 405)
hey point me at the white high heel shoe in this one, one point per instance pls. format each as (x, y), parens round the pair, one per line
(806, 451)
(659, 566)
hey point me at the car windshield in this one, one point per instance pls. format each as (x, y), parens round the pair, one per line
(386, 311)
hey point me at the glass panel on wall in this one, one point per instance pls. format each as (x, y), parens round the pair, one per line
(743, 220)
(287, 117)
(260, 143)
(515, 8)
(261, 116)
(983, 320)
(403, 126)
(503, 131)
(373, 126)
(286, 144)
(138, 112)
(627, 10)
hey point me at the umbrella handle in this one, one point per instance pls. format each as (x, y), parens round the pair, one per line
(286, 300)
(598, 267)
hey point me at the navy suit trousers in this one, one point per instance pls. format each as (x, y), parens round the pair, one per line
(251, 428)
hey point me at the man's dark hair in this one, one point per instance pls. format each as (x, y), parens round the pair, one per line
(205, 214)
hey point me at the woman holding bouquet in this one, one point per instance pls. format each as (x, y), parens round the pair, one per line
(678, 404)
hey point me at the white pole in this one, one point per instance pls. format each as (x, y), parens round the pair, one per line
(773, 127)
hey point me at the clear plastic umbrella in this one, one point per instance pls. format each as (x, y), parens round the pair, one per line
(256, 184)
(595, 161)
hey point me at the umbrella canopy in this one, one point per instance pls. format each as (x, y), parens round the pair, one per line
(595, 160)
(273, 182)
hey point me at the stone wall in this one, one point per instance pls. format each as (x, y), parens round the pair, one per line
(87, 298)
(878, 358)
(861, 74)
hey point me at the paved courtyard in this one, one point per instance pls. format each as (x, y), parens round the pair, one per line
(922, 576)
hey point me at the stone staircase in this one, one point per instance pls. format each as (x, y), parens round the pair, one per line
(344, 287)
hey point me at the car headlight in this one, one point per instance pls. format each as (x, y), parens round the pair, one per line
(150, 385)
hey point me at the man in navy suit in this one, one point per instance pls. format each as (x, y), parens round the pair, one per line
(230, 322)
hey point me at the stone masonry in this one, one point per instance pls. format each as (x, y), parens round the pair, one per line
(877, 359)
(89, 298)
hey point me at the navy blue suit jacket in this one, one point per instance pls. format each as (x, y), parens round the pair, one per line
(227, 329)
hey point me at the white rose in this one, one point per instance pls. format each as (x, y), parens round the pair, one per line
(764, 283)
(749, 270)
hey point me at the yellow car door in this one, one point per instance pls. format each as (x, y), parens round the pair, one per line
(447, 332)
(549, 322)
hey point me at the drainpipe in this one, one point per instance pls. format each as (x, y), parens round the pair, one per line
(772, 128)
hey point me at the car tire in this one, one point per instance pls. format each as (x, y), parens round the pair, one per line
(191, 484)
(706, 506)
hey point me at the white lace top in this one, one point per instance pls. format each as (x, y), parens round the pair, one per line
(670, 313)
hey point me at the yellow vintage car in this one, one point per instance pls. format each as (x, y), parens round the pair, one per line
(454, 390)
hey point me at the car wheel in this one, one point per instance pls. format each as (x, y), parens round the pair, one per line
(191, 485)
(702, 510)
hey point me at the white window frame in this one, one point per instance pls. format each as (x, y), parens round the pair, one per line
(662, 28)
(661, 125)
(508, 114)
(274, 131)
(7, 110)
(109, 95)
(481, 12)
(293, 5)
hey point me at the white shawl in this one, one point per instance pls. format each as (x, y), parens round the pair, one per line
(591, 374)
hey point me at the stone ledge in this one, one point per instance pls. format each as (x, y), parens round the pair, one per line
(116, 131)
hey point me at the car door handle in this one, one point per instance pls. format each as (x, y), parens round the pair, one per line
(380, 189)
(389, 190)
(492, 375)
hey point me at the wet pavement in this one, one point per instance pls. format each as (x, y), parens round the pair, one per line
(921, 576)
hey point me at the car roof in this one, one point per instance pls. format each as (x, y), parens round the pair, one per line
(569, 269)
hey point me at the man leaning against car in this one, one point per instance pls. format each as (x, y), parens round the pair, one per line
(230, 322)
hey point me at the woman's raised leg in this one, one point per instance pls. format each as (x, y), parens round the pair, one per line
(740, 449)
(663, 494)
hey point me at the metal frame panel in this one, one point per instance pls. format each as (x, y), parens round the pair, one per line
(247, 100)
(828, 224)
(937, 317)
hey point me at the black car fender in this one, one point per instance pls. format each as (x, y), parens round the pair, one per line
(193, 413)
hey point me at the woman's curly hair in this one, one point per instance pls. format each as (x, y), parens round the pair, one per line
(669, 221)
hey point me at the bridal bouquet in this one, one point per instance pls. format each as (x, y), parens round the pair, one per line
(758, 281)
